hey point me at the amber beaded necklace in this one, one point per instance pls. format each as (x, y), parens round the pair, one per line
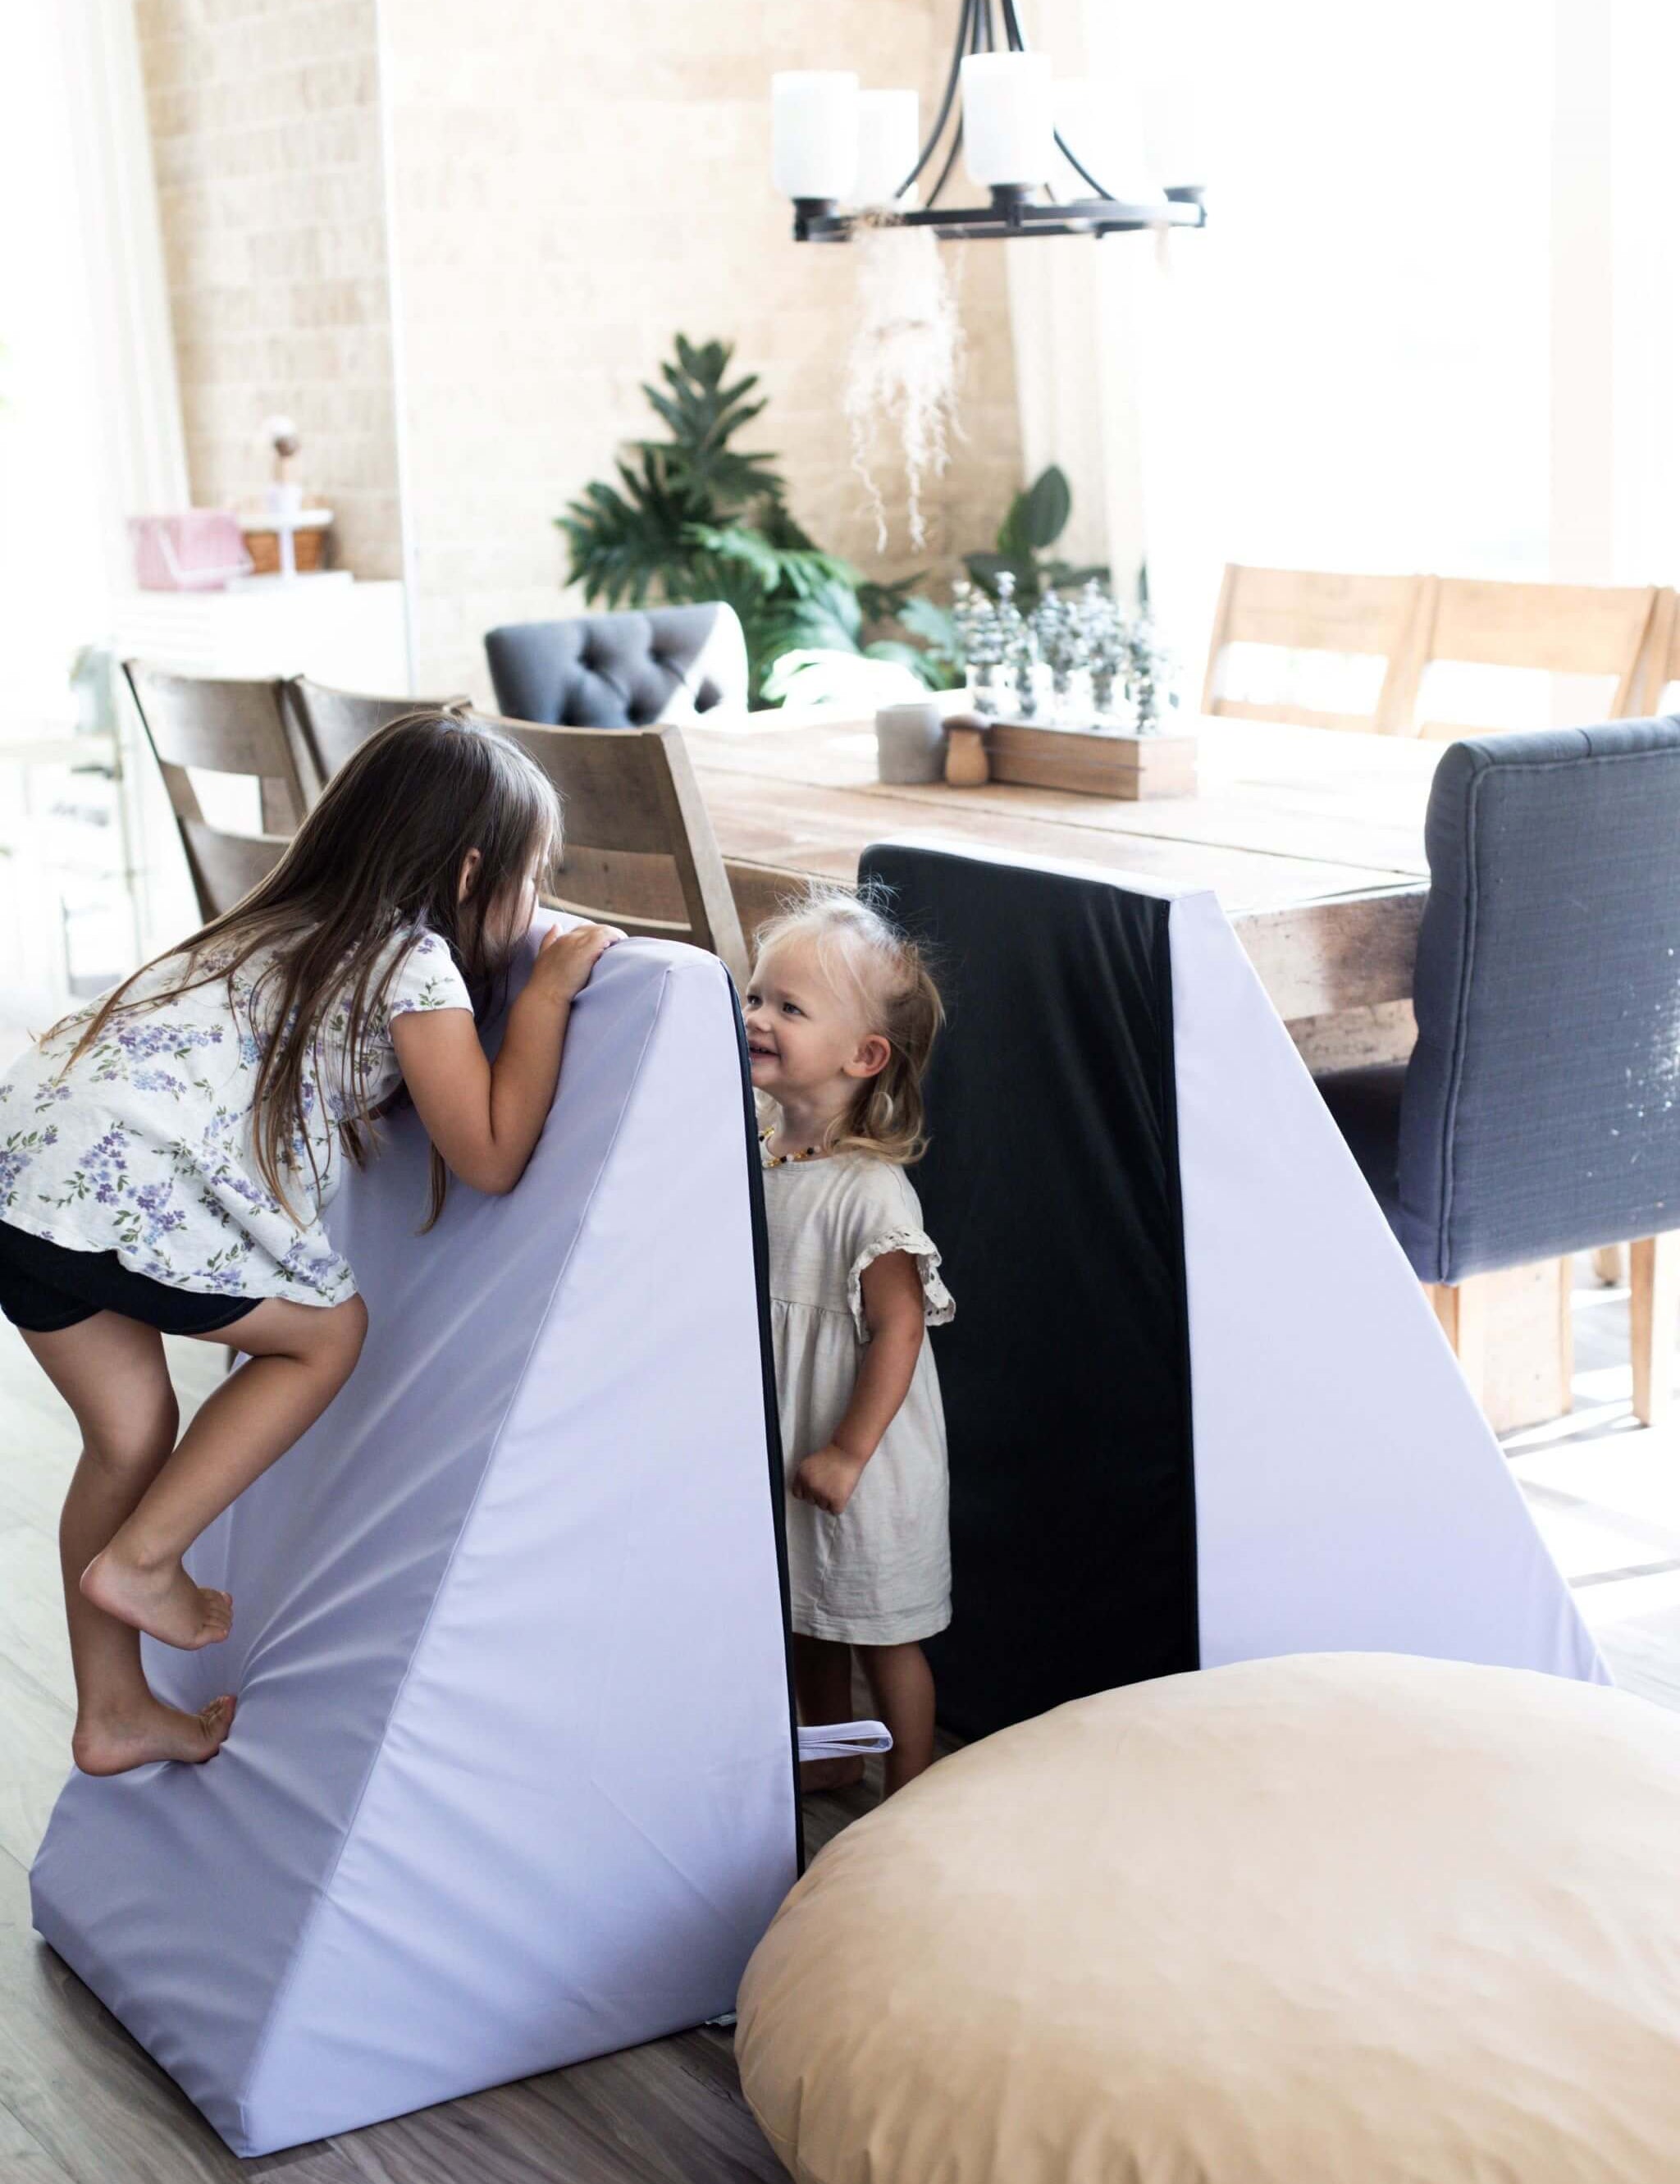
(781, 1160)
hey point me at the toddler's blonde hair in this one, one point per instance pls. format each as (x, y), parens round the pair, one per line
(860, 948)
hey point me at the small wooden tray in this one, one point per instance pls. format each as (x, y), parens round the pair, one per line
(1092, 761)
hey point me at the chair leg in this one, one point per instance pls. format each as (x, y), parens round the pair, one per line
(1654, 1295)
(1610, 1265)
(1565, 1335)
(1461, 1310)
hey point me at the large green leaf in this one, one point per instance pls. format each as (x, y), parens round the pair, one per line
(802, 572)
(941, 660)
(623, 539)
(1012, 544)
(702, 414)
(1045, 508)
(987, 568)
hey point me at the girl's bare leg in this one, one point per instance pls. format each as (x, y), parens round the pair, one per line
(111, 1372)
(297, 1358)
(902, 1685)
(822, 1681)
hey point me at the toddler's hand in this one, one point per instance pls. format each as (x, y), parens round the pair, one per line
(565, 959)
(829, 1477)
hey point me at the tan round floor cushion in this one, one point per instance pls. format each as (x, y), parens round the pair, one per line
(1340, 1919)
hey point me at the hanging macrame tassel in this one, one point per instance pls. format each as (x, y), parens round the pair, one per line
(903, 366)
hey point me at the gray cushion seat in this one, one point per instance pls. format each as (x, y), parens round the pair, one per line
(1539, 1113)
(621, 670)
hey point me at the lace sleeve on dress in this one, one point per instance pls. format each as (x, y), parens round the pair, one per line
(938, 1304)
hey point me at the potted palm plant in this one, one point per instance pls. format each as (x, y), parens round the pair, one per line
(692, 516)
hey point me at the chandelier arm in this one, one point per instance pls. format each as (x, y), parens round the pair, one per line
(1081, 170)
(946, 102)
(1017, 38)
(950, 162)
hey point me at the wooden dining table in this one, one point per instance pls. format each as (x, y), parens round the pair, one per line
(1312, 838)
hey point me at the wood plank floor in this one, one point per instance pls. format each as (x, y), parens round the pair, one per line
(80, 2103)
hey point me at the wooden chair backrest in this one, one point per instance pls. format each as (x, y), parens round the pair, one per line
(1320, 611)
(1563, 629)
(223, 727)
(1661, 665)
(639, 850)
(333, 723)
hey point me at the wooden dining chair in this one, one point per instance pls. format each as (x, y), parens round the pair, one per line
(639, 850)
(1316, 612)
(1560, 629)
(1660, 665)
(332, 723)
(226, 727)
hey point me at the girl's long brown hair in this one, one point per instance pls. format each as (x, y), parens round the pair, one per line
(858, 946)
(382, 852)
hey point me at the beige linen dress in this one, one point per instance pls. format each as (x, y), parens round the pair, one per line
(879, 1572)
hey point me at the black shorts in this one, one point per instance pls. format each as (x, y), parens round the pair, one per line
(44, 1288)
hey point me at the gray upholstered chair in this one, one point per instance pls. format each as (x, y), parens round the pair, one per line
(1539, 1114)
(621, 670)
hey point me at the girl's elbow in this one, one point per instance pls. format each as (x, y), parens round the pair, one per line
(490, 1177)
(510, 1174)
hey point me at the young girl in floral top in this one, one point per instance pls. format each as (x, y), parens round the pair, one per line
(166, 1156)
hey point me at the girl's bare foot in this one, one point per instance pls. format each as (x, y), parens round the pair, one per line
(162, 1601)
(112, 1744)
(836, 1774)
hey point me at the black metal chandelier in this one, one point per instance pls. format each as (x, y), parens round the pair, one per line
(838, 149)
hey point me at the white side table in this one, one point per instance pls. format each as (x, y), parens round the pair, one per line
(351, 634)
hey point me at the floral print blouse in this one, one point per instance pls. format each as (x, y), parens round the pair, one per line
(145, 1147)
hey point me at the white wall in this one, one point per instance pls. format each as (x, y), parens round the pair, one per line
(1615, 305)
(1434, 321)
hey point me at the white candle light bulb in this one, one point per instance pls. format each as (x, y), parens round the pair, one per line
(1009, 124)
(814, 132)
(888, 144)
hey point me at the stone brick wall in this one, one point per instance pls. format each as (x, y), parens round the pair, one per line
(266, 134)
(571, 187)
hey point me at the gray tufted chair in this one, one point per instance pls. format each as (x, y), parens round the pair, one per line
(621, 670)
(1538, 1114)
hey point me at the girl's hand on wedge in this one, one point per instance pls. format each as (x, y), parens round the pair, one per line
(565, 959)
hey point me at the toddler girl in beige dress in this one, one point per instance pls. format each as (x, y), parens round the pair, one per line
(841, 1017)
